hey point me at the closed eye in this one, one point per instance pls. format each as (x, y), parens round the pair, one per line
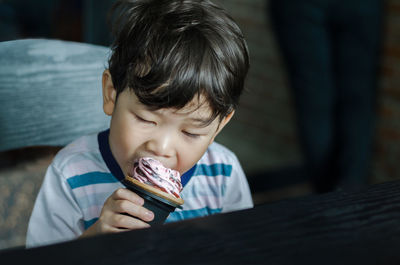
(144, 120)
(191, 135)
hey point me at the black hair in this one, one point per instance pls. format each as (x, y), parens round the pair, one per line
(169, 51)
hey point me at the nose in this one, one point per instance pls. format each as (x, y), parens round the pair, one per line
(161, 145)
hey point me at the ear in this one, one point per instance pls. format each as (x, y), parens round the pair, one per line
(109, 93)
(223, 123)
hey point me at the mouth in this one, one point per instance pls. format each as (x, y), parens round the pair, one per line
(132, 164)
(131, 167)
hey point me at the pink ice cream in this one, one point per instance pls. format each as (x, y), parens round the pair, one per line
(151, 172)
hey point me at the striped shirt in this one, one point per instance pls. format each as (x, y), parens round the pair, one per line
(84, 174)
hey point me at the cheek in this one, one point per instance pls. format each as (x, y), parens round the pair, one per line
(123, 140)
(189, 156)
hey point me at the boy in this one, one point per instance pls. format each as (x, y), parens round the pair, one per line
(175, 75)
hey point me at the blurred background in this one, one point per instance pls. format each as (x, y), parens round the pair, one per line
(264, 132)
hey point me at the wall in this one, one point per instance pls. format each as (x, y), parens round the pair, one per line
(268, 140)
(387, 148)
(267, 111)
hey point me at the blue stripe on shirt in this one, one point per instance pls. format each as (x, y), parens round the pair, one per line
(202, 169)
(214, 170)
(90, 179)
(187, 214)
(89, 223)
(101, 177)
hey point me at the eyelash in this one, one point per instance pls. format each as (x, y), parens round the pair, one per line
(143, 120)
(191, 135)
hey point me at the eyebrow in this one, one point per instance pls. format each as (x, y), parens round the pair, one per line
(202, 122)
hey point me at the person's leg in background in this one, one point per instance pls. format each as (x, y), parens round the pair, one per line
(304, 39)
(356, 43)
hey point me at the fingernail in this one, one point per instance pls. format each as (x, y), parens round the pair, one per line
(140, 201)
(149, 215)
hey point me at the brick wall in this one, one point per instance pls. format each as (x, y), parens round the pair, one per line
(268, 139)
(266, 107)
(386, 164)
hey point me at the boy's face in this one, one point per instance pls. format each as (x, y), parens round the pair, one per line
(177, 138)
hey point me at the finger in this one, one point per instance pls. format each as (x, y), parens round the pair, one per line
(112, 229)
(124, 222)
(125, 206)
(105, 225)
(116, 229)
(125, 194)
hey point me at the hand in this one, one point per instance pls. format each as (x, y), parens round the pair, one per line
(122, 211)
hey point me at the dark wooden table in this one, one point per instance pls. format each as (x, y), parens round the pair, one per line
(335, 228)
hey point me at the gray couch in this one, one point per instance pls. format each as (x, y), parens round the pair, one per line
(50, 92)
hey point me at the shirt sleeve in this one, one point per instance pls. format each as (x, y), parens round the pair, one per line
(56, 216)
(237, 192)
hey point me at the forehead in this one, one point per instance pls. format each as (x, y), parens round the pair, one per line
(198, 105)
(197, 110)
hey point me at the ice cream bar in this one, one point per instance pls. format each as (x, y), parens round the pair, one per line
(150, 171)
(150, 177)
